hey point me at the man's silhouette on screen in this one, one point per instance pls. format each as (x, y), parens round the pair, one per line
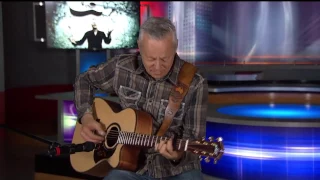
(94, 38)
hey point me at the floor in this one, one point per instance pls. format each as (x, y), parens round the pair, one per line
(17, 153)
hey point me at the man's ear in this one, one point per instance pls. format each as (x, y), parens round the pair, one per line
(138, 42)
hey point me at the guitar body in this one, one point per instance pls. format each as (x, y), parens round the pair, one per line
(109, 154)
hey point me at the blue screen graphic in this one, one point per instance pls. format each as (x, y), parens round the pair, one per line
(254, 152)
(275, 111)
(88, 59)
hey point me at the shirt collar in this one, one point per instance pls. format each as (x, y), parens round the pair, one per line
(172, 76)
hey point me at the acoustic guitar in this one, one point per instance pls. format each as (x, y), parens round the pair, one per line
(127, 132)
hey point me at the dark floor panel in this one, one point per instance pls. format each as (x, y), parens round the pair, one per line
(58, 166)
(18, 154)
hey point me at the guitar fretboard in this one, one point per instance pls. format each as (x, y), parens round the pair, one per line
(142, 140)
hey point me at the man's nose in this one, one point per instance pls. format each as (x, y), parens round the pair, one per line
(157, 65)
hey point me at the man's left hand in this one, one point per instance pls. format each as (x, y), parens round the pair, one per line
(165, 148)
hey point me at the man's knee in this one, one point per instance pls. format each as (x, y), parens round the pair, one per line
(116, 174)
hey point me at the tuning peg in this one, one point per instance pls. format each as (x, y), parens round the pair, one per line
(207, 160)
(203, 138)
(203, 152)
(200, 158)
(211, 138)
(195, 151)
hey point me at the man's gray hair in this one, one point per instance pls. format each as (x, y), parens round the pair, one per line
(158, 28)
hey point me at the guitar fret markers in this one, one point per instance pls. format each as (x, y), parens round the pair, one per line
(130, 138)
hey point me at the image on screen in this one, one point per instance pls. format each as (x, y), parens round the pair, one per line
(92, 24)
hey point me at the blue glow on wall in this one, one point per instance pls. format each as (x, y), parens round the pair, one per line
(254, 152)
(90, 58)
(278, 111)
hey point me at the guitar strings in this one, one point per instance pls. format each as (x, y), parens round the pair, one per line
(139, 137)
(114, 134)
(146, 141)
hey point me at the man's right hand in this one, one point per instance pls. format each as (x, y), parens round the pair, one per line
(89, 126)
(72, 41)
(109, 33)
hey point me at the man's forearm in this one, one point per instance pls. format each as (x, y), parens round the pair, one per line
(83, 96)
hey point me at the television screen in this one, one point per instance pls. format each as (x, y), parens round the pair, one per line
(92, 24)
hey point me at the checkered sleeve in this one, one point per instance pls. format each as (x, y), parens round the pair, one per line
(100, 77)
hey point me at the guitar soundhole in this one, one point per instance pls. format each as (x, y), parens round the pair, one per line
(112, 137)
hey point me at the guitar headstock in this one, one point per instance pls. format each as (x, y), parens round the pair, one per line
(210, 149)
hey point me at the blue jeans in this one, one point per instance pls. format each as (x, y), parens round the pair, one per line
(116, 174)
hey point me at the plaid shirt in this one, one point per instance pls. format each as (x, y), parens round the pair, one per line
(125, 75)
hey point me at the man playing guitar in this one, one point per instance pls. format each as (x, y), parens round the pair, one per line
(144, 81)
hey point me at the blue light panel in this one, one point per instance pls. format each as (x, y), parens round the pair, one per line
(278, 111)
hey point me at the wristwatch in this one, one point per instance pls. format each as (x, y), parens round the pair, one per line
(175, 162)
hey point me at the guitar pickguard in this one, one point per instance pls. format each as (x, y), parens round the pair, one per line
(107, 148)
(101, 153)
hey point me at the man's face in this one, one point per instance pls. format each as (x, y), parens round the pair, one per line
(94, 26)
(157, 55)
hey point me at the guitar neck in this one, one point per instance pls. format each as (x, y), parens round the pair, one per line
(149, 141)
